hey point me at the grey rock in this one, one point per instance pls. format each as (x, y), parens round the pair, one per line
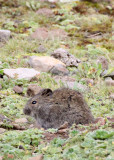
(44, 33)
(108, 78)
(33, 89)
(71, 83)
(105, 74)
(4, 35)
(59, 70)
(41, 49)
(45, 12)
(18, 89)
(21, 73)
(21, 120)
(65, 57)
(2, 118)
(43, 63)
(109, 82)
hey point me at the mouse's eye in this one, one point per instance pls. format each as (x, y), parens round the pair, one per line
(34, 102)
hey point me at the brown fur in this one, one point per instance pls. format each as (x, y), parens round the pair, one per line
(52, 109)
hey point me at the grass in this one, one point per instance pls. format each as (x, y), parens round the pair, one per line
(83, 21)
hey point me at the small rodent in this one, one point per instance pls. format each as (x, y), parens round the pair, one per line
(52, 108)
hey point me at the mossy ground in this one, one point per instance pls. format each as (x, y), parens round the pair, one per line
(90, 27)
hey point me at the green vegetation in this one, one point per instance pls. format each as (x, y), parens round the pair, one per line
(89, 27)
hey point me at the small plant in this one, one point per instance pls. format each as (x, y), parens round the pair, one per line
(89, 70)
(33, 5)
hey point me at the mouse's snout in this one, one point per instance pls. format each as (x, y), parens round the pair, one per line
(26, 111)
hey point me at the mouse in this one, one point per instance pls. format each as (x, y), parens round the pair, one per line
(52, 108)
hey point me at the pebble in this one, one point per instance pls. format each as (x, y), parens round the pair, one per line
(18, 89)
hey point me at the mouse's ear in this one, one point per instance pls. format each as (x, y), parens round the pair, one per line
(46, 92)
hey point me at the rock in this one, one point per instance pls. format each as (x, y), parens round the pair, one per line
(106, 74)
(109, 82)
(18, 126)
(64, 56)
(52, 6)
(40, 33)
(103, 61)
(43, 63)
(33, 89)
(41, 49)
(111, 96)
(44, 34)
(4, 35)
(18, 89)
(2, 118)
(21, 120)
(21, 73)
(0, 86)
(58, 33)
(108, 78)
(70, 83)
(64, 126)
(59, 70)
(2, 130)
(62, 131)
(39, 157)
(45, 12)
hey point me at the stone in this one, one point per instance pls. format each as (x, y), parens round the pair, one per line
(58, 33)
(33, 89)
(21, 73)
(21, 120)
(43, 63)
(44, 34)
(106, 74)
(64, 126)
(39, 157)
(59, 70)
(52, 6)
(64, 56)
(70, 82)
(108, 78)
(103, 61)
(2, 118)
(109, 82)
(45, 12)
(4, 35)
(18, 89)
(41, 49)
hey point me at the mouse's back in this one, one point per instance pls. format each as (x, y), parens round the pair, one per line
(52, 109)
